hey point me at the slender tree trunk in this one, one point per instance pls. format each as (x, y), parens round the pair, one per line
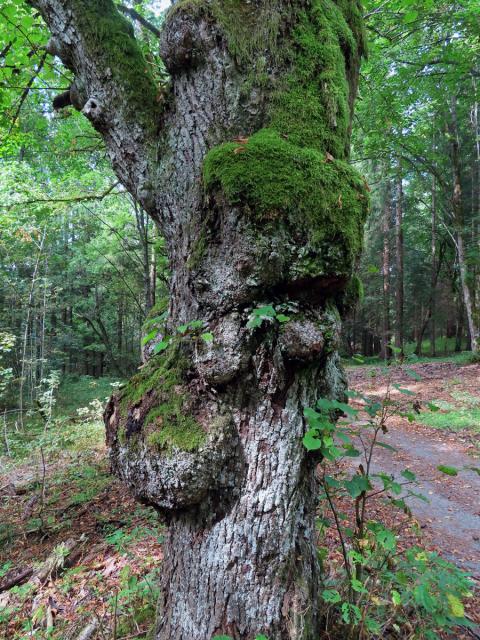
(457, 205)
(31, 294)
(435, 271)
(386, 225)
(243, 167)
(399, 286)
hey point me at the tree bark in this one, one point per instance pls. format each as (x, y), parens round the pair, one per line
(242, 162)
(458, 223)
(399, 292)
(386, 223)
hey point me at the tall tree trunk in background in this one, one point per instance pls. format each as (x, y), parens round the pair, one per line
(386, 352)
(399, 283)
(243, 166)
(149, 287)
(435, 272)
(476, 200)
(458, 223)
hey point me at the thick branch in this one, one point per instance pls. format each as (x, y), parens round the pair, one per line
(113, 87)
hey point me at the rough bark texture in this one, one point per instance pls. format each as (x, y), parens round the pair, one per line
(241, 160)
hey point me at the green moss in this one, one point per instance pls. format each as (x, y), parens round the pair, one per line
(311, 106)
(294, 171)
(354, 292)
(249, 28)
(168, 423)
(161, 374)
(173, 429)
(110, 37)
(280, 181)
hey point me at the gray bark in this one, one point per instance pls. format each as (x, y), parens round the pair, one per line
(240, 556)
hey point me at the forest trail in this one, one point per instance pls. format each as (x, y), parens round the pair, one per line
(451, 518)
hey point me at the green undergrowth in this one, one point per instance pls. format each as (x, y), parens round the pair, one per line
(168, 424)
(462, 413)
(81, 498)
(76, 424)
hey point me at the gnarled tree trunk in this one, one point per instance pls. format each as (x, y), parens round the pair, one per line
(241, 160)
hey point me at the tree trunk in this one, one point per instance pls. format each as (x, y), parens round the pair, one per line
(386, 223)
(399, 293)
(435, 272)
(243, 166)
(458, 221)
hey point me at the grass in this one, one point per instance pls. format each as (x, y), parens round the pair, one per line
(462, 414)
(82, 393)
(462, 358)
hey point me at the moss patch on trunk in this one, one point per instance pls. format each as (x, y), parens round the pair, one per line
(155, 405)
(323, 198)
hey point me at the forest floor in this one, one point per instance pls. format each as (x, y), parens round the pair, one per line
(57, 491)
(450, 437)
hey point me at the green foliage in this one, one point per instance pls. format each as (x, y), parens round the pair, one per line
(268, 314)
(379, 588)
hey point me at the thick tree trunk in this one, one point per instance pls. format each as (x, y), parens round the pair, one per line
(241, 161)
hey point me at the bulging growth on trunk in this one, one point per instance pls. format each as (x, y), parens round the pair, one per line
(242, 160)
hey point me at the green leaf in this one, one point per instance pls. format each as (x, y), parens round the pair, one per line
(150, 336)
(207, 337)
(413, 374)
(410, 16)
(325, 404)
(357, 586)
(254, 322)
(283, 318)
(385, 446)
(222, 638)
(351, 614)
(161, 346)
(265, 312)
(449, 471)
(409, 475)
(311, 414)
(396, 598)
(406, 392)
(456, 606)
(357, 485)
(476, 469)
(311, 441)
(331, 596)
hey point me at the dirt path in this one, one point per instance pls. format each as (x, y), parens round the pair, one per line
(451, 520)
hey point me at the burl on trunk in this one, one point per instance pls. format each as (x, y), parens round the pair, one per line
(242, 160)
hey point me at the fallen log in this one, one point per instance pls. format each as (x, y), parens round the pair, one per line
(56, 561)
(87, 632)
(14, 580)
